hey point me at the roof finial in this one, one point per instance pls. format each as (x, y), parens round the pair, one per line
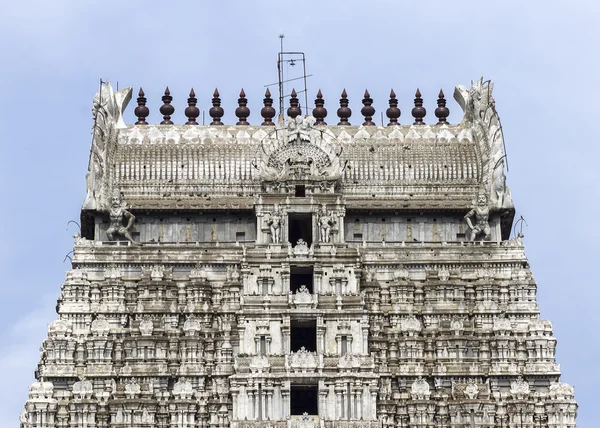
(167, 109)
(368, 110)
(418, 110)
(141, 111)
(216, 111)
(242, 112)
(192, 112)
(441, 112)
(393, 112)
(294, 109)
(268, 112)
(344, 112)
(319, 112)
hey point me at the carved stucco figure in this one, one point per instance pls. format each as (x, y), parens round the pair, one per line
(118, 215)
(274, 221)
(326, 222)
(478, 220)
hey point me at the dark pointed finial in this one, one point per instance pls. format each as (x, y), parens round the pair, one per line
(192, 112)
(267, 112)
(167, 109)
(344, 112)
(216, 111)
(418, 111)
(320, 112)
(294, 109)
(242, 112)
(141, 111)
(368, 110)
(393, 112)
(442, 112)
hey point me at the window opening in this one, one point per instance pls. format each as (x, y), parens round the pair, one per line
(300, 276)
(344, 345)
(303, 399)
(263, 345)
(300, 227)
(303, 333)
(240, 236)
(300, 191)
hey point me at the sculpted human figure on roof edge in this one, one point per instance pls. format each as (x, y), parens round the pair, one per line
(118, 214)
(480, 213)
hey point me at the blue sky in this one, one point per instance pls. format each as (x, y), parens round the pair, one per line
(542, 56)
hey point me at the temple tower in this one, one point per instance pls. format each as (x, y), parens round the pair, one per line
(298, 274)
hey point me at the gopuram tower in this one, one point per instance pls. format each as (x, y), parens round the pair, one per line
(298, 275)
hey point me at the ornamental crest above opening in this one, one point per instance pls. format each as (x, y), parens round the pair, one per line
(299, 154)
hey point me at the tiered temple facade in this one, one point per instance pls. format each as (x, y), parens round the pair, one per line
(296, 274)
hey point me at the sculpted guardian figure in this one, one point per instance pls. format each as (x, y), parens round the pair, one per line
(118, 216)
(274, 222)
(480, 213)
(326, 222)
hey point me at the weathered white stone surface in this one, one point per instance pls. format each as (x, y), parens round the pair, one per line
(414, 324)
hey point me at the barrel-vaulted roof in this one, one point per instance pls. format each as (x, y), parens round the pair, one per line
(408, 167)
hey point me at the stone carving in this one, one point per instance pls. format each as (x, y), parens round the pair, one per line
(198, 272)
(444, 274)
(259, 364)
(561, 390)
(519, 388)
(401, 273)
(300, 152)
(121, 220)
(419, 390)
(59, 328)
(100, 326)
(107, 113)
(192, 326)
(305, 421)
(456, 325)
(83, 389)
(303, 298)
(471, 390)
(411, 324)
(480, 213)
(146, 327)
(132, 388)
(301, 248)
(41, 391)
(303, 361)
(481, 117)
(502, 324)
(183, 389)
(326, 222)
(275, 222)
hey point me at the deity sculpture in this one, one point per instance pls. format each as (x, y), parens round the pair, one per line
(325, 221)
(274, 221)
(481, 214)
(118, 214)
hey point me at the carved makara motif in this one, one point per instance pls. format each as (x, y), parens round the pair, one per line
(480, 116)
(107, 113)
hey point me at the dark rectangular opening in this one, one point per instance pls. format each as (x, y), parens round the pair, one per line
(303, 333)
(304, 399)
(300, 276)
(300, 191)
(300, 227)
(240, 236)
(358, 236)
